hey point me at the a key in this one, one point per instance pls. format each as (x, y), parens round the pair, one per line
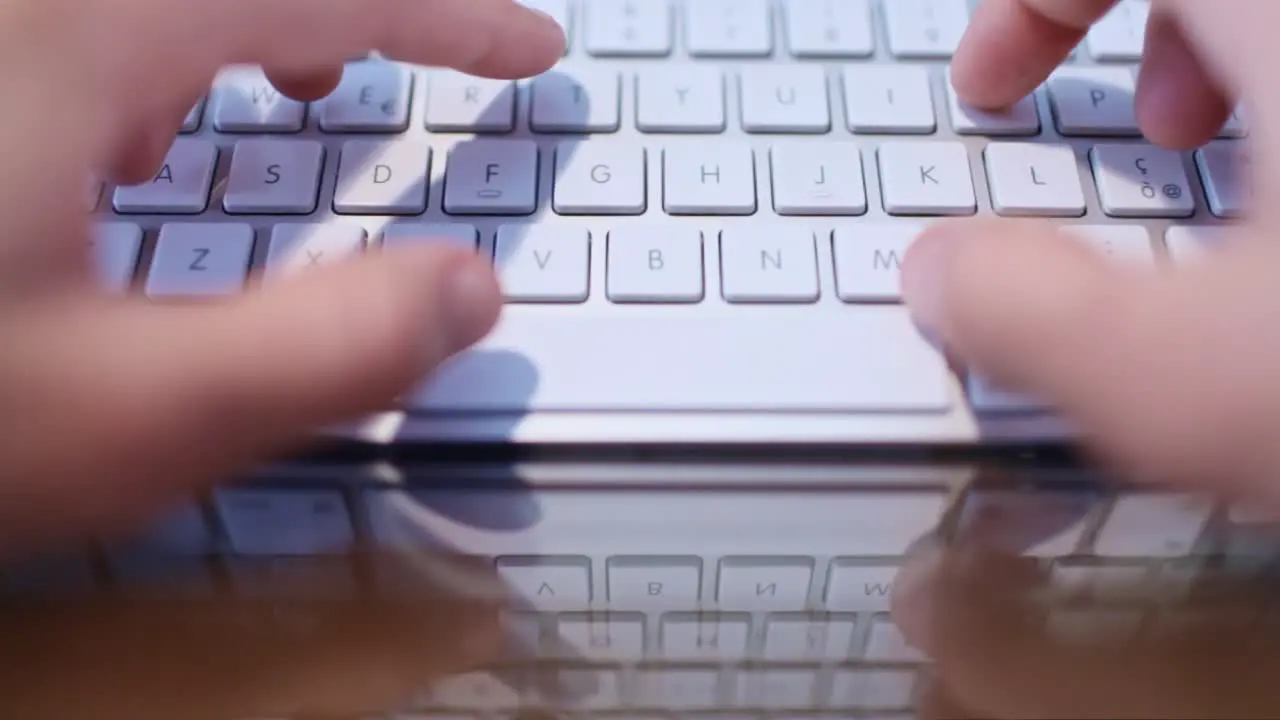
(787, 99)
(403, 233)
(628, 28)
(543, 263)
(680, 99)
(462, 103)
(600, 178)
(768, 265)
(716, 179)
(1222, 167)
(829, 28)
(1094, 101)
(1021, 119)
(295, 247)
(925, 28)
(181, 186)
(729, 28)
(247, 102)
(195, 115)
(1141, 181)
(889, 99)
(274, 176)
(818, 179)
(1035, 180)
(492, 177)
(586, 100)
(372, 97)
(117, 247)
(868, 260)
(926, 178)
(1120, 35)
(648, 264)
(200, 260)
(385, 177)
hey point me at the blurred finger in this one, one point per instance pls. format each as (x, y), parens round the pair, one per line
(306, 86)
(1178, 104)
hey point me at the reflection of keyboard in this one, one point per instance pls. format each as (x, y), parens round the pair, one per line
(698, 216)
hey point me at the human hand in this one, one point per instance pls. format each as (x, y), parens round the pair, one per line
(112, 408)
(1169, 376)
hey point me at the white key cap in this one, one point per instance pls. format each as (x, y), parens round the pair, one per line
(829, 28)
(650, 264)
(462, 103)
(874, 689)
(1021, 119)
(818, 179)
(768, 265)
(295, 247)
(728, 28)
(1153, 526)
(626, 28)
(1128, 244)
(372, 97)
(600, 178)
(1034, 179)
(782, 98)
(200, 259)
(1141, 181)
(642, 583)
(859, 586)
(549, 583)
(181, 185)
(713, 179)
(1094, 101)
(543, 263)
(285, 522)
(558, 10)
(116, 248)
(797, 637)
(195, 115)
(925, 28)
(889, 99)
(1223, 165)
(492, 177)
(868, 260)
(403, 233)
(707, 638)
(610, 638)
(680, 99)
(386, 177)
(1030, 523)
(1121, 34)
(1236, 125)
(274, 176)
(989, 398)
(885, 643)
(533, 362)
(1188, 244)
(754, 584)
(247, 102)
(926, 178)
(677, 689)
(586, 100)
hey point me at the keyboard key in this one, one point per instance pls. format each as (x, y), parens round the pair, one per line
(926, 178)
(713, 179)
(274, 176)
(677, 689)
(925, 28)
(475, 691)
(1141, 181)
(1153, 526)
(543, 263)
(581, 101)
(558, 10)
(1094, 101)
(628, 28)
(793, 637)
(655, 265)
(729, 28)
(400, 233)
(829, 28)
(117, 248)
(777, 688)
(181, 186)
(462, 103)
(868, 260)
(886, 644)
(889, 100)
(859, 586)
(1222, 167)
(200, 259)
(818, 179)
(756, 584)
(372, 97)
(1021, 119)
(989, 398)
(377, 177)
(1032, 523)
(285, 522)
(768, 265)
(1034, 179)
(1120, 35)
(1235, 127)
(195, 115)
(614, 637)
(247, 102)
(1130, 244)
(297, 246)
(680, 99)
(642, 583)
(548, 583)
(711, 637)
(790, 99)
(600, 178)
(492, 177)
(874, 689)
(1188, 244)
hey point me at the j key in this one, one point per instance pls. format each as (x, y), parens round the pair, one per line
(729, 28)
(680, 99)
(829, 28)
(372, 97)
(818, 179)
(622, 28)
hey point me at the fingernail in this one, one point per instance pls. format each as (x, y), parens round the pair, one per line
(470, 302)
(923, 273)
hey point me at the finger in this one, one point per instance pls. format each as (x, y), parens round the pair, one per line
(307, 86)
(1012, 45)
(1178, 104)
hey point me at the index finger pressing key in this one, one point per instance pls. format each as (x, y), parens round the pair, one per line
(1012, 46)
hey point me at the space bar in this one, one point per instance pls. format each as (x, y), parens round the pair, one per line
(866, 360)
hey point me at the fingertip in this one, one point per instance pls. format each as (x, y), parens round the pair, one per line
(531, 42)
(457, 287)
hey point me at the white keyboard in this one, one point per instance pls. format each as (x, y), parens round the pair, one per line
(697, 216)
